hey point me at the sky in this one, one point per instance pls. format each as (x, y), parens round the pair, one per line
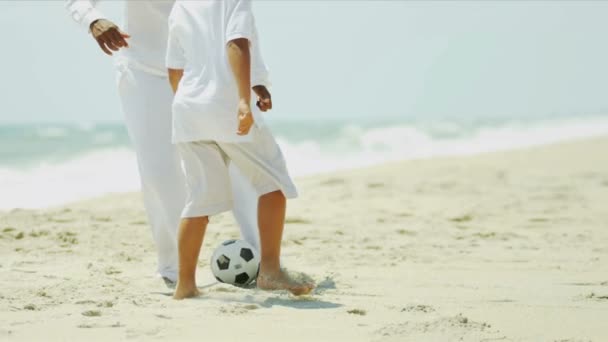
(344, 59)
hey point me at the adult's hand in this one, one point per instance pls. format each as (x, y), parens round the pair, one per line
(109, 36)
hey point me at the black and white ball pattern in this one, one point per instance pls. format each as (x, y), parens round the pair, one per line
(235, 262)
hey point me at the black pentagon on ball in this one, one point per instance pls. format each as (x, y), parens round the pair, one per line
(246, 254)
(228, 242)
(223, 262)
(241, 278)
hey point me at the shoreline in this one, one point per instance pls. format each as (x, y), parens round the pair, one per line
(339, 170)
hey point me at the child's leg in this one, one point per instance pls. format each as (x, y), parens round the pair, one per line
(189, 241)
(208, 189)
(262, 162)
(271, 218)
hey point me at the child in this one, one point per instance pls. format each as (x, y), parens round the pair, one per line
(209, 63)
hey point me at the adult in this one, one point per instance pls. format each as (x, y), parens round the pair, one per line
(146, 98)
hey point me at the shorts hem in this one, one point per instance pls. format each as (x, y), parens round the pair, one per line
(271, 187)
(206, 210)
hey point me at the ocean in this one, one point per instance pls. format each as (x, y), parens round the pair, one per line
(50, 164)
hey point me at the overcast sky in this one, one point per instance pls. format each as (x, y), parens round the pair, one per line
(344, 58)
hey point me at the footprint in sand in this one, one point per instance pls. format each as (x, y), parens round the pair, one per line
(359, 312)
(31, 307)
(297, 242)
(91, 313)
(43, 293)
(406, 232)
(105, 304)
(138, 223)
(333, 181)
(418, 308)
(457, 328)
(93, 326)
(538, 219)
(9, 233)
(111, 270)
(485, 235)
(597, 297)
(297, 220)
(60, 220)
(39, 233)
(238, 309)
(67, 238)
(462, 218)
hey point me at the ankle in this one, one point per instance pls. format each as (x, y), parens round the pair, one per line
(270, 268)
(186, 283)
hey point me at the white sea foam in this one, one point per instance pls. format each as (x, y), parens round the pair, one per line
(98, 173)
(115, 170)
(402, 142)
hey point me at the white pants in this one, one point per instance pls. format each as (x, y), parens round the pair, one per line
(146, 101)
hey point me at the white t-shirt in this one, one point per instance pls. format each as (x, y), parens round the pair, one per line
(205, 105)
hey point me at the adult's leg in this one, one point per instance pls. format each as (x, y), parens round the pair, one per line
(245, 200)
(146, 102)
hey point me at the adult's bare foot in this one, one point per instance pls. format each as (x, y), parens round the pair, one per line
(284, 281)
(183, 292)
(169, 283)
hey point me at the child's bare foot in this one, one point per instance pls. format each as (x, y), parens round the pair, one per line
(183, 292)
(283, 281)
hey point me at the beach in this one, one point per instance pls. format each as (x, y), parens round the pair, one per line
(501, 246)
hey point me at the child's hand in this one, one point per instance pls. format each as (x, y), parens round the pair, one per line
(264, 98)
(245, 118)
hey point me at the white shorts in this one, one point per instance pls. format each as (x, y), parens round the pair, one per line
(205, 165)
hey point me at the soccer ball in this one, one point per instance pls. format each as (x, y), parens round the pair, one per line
(235, 262)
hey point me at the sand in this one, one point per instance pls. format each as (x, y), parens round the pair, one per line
(507, 246)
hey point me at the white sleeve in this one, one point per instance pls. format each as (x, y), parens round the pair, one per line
(175, 51)
(241, 24)
(84, 12)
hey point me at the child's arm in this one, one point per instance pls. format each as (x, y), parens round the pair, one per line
(240, 62)
(175, 75)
